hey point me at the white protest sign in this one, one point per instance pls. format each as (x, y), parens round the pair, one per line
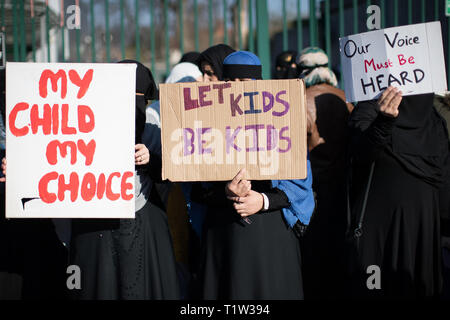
(70, 140)
(408, 57)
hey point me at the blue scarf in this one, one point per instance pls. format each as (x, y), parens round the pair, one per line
(301, 198)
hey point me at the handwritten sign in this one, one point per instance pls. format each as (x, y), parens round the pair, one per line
(408, 57)
(70, 140)
(211, 130)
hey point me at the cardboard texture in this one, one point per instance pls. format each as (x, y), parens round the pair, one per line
(408, 57)
(70, 140)
(212, 130)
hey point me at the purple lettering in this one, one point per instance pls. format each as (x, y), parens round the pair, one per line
(188, 142)
(200, 132)
(269, 105)
(288, 139)
(255, 128)
(234, 104)
(252, 104)
(283, 102)
(230, 139)
(272, 138)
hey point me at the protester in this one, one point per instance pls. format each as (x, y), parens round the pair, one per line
(33, 261)
(399, 148)
(286, 66)
(185, 240)
(251, 250)
(130, 258)
(210, 61)
(191, 56)
(328, 114)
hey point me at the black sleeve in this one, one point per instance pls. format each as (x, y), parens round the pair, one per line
(153, 168)
(277, 199)
(214, 196)
(370, 130)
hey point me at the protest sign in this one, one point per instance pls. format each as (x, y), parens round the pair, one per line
(70, 140)
(212, 130)
(408, 57)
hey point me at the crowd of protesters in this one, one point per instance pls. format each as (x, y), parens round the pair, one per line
(376, 194)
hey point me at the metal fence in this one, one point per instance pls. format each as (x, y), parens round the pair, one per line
(38, 31)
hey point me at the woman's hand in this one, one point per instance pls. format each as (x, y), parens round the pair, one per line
(389, 102)
(251, 204)
(3, 179)
(238, 187)
(142, 155)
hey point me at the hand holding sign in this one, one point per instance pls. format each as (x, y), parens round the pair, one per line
(238, 187)
(142, 155)
(410, 57)
(389, 102)
(250, 204)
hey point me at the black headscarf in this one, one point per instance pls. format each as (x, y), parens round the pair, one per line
(191, 57)
(214, 56)
(147, 86)
(284, 61)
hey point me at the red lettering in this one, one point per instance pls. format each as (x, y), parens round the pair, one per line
(83, 125)
(189, 103)
(65, 129)
(72, 186)
(109, 194)
(202, 95)
(411, 60)
(101, 185)
(124, 186)
(84, 83)
(88, 187)
(54, 77)
(369, 63)
(52, 154)
(87, 150)
(55, 118)
(401, 59)
(45, 121)
(220, 87)
(18, 132)
(46, 196)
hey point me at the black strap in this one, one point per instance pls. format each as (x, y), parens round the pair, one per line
(358, 229)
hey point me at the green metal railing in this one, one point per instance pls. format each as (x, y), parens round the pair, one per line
(325, 21)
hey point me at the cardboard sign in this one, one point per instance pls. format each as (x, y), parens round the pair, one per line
(408, 57)
(70, 140)
(212, 130)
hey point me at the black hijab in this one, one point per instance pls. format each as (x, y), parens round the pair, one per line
(147, 86)
(283, 65)
(214, 56)
(191, 57)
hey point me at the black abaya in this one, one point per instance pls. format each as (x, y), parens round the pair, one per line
(260, 260)
(400, 231)
(126, 258)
